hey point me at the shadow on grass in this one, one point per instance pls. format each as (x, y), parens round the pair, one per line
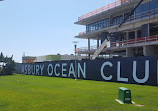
(6, 74)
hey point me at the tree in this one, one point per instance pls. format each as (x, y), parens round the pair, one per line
(7, 65)
(1, 57)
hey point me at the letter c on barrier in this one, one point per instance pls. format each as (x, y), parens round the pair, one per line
(102, 71)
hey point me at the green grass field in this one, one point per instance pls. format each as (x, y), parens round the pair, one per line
(36, 93)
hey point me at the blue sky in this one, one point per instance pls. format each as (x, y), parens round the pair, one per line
(42, 27)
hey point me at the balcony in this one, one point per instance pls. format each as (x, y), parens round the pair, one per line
(150, 40)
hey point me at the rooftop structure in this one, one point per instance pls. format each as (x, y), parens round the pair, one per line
(137, 37)
(103, 9)
(31, 59)
(28, 59)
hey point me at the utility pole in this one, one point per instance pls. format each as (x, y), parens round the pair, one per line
(75, 46)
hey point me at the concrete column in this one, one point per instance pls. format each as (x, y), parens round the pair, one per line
(129, 52)
(88, 44)
(127, 35)
(89, 47)
(111, 20)
(136, 34)
(149, 51)
(98, 42)
(145, 30)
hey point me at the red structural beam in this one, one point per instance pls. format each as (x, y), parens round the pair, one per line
(124, 43)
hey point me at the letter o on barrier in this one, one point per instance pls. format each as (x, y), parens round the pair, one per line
(102, 71)
(50, 73)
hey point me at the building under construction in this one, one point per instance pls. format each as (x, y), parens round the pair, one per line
(137, 36)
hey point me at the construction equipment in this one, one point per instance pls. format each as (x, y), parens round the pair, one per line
(114, 34)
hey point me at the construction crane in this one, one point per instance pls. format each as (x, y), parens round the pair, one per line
(114, 34)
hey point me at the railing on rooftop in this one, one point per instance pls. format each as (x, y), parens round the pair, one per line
(140, 16)
(123, 43)
(105, 8)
